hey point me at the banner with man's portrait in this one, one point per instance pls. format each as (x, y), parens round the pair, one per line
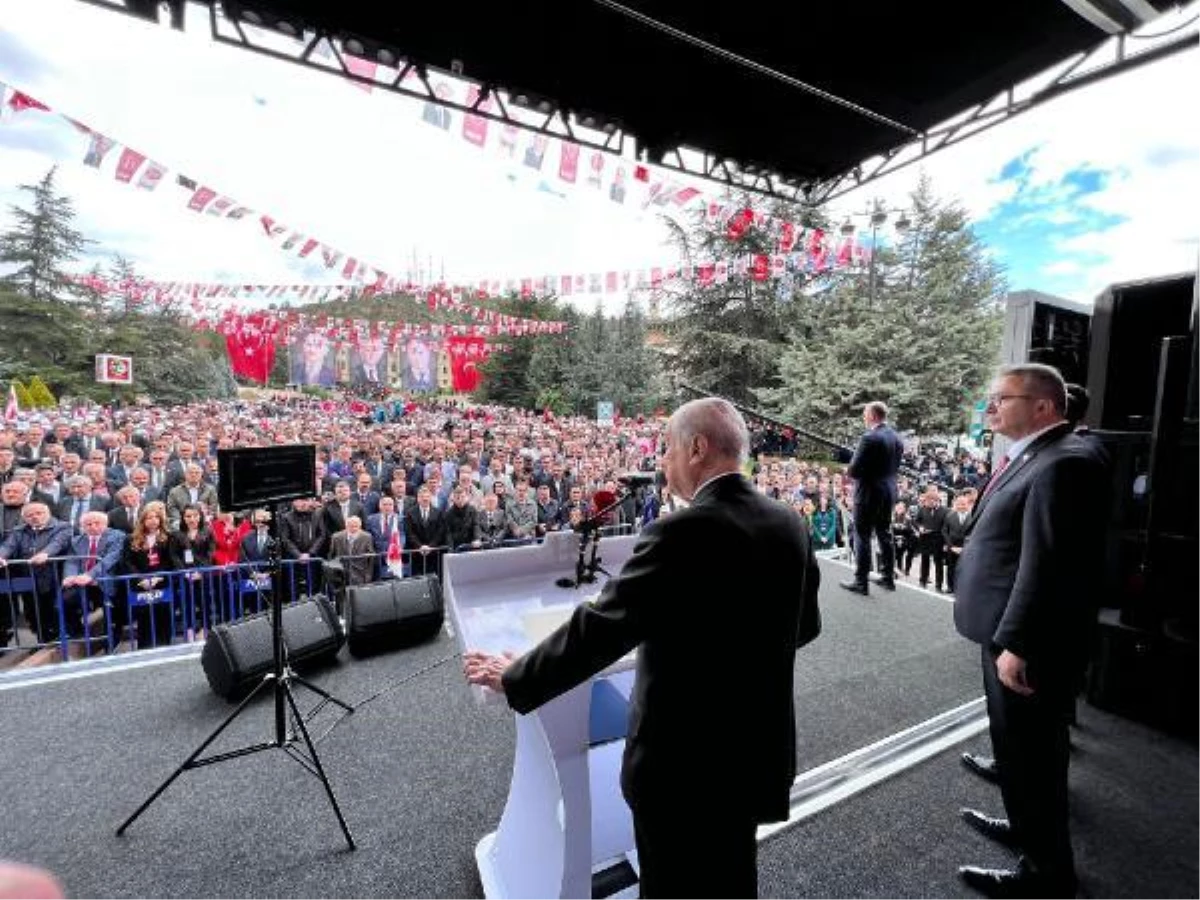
(369, 358)
(313, 359)
(420, 365)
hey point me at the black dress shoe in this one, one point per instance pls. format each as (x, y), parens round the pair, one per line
(999, 830)
(983, 766)
(885, 583)
(855, 587)
(1021, 882)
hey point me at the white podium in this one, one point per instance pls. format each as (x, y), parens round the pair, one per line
(565, 817)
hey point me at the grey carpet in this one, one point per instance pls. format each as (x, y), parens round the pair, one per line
(1133, 818)
(422, 772)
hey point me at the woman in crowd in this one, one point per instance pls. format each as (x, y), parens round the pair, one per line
(824, 524)
(227, 538)
(192, 547)
(148, 556)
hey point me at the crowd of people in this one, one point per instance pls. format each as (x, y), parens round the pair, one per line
(96, 495)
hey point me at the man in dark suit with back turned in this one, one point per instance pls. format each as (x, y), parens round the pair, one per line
(1025, 582)
(709, 754)
(873, 468)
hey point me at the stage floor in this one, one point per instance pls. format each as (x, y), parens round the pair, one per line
(422, 771)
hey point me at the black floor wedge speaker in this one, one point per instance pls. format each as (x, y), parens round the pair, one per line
(238, 654)
(392, 614)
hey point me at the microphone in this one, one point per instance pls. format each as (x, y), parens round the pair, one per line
(636, 479)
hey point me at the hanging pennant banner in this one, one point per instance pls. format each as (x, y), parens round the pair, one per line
(128, 164)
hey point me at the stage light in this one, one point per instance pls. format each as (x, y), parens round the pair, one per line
(847, 228)
(903, 223)
(387, 57)
(354, 47)
(545, 106)
(285, 27)
(250, 17)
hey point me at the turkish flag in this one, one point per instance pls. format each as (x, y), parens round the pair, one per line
(466, 355)
(129, 163)
(251, 346)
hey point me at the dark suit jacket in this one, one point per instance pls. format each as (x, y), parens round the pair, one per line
(431, 533)
(25, 543)
(1028, 574)
(357, 555)
(370, 505)
(873, 468)
(731, 728)
(118, 517)
(202, 549)
(301, 533)
(66, 506)
(248, 549)
(331, 515)
(380, 535)
(954, 532)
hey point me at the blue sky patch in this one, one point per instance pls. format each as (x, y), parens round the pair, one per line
(1029, 231)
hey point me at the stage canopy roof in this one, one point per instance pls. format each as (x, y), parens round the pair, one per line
(800, 100)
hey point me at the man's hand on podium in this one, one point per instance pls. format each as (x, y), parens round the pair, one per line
(486, 669)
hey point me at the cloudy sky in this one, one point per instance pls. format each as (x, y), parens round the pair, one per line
(1095, 187)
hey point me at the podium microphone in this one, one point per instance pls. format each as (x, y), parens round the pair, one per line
(636, 479)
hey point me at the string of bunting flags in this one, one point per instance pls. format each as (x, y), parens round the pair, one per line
(797, 249)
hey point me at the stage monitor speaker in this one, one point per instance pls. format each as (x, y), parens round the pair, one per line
(238, 654)
(1128, 326)
(392, 614)
(1046, 329)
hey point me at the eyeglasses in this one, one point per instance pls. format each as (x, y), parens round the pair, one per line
(998, 399)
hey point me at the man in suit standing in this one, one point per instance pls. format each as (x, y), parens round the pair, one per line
(954, 533)
(873, 467)
(426, 532)
(672, 605)
(354, 548)
(1025, 581)
(78, 502)
(95, 554)
(382, 526)
(194, 491)
(340, 508)
(38, 541)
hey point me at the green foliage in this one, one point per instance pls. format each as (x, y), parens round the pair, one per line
(41, 243)
(39, 394)
(924, 340)
(598, 358)
(24, 400)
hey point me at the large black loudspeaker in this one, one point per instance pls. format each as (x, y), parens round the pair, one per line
(1043, 328)
(391, 614)
(238, 654)
(1128, 325)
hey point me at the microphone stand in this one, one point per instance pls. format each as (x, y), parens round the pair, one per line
(589, 533)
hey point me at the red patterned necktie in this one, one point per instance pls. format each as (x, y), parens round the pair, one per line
(91, 558)
(1000, 467)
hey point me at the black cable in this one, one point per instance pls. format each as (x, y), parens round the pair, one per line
(391, 687)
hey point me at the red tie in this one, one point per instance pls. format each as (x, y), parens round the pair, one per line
(93, 546)
(1000, 467)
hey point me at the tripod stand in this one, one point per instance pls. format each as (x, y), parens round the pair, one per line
(281, 680)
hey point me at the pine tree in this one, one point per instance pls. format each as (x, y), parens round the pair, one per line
(726, 336)
(924, 340)
(40, 395)
(124, 279)
(42, 242)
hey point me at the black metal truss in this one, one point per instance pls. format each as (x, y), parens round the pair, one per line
(1106, 60)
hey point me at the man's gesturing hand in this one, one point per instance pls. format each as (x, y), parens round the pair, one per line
(1011, 670)
(486, 669)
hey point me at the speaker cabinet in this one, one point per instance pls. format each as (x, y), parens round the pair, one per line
(1128, 325)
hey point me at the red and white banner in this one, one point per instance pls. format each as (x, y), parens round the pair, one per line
(128, 164)
(151, 176)
(201, 199)
(112, 369)
(251, 346)
(466, 355)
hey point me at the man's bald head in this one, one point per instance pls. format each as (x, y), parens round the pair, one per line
(718, 422)
(705, 438)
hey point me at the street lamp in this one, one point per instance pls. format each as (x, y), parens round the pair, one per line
(878, 215)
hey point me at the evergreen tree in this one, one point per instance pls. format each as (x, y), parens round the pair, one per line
(23, 399)
(923, 340)
(41, 243)
(123, 276)
(726, 336)
(40, 395)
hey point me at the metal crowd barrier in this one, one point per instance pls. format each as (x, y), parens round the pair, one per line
(136, 610)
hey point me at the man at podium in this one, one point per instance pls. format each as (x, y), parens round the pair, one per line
(717, 597)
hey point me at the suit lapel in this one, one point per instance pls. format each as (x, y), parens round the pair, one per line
(1014, 467)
